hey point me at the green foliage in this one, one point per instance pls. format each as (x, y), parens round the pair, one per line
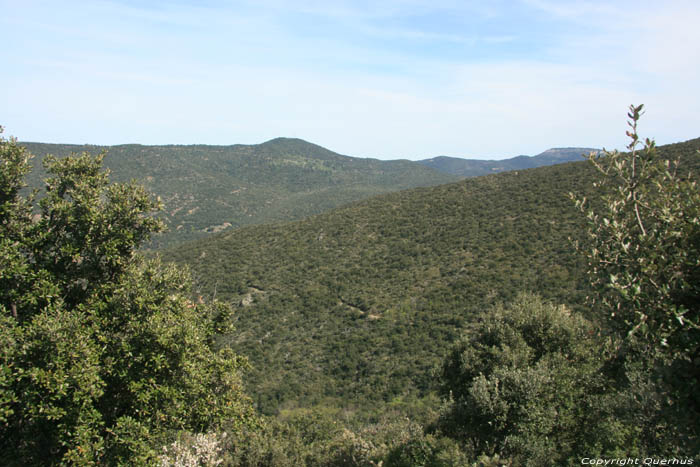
(15, 215)
(104, 355)
(207, 189)
(358, 304)
(318, 437)
(425, 450)
(518, 383)
(644, 262)
(645, 255)
(301, 440)
(354, 307)
(544, 387)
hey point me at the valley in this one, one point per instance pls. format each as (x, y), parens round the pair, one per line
(357, 305)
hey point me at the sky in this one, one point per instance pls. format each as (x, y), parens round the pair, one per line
(388, 79)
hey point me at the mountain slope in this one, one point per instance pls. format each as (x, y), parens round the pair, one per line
(207, 189)
(361, 302)
(476, 167)
(356, 305)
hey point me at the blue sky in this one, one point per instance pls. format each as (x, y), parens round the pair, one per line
(388, 79)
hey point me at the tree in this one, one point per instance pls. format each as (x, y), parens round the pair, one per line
(518, 382)
(644, 253)
(644, 263)
(104, 356)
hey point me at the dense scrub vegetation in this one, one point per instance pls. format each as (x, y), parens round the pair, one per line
(206, 189)
(442, 326)
(329, 306)
(331, 303)
(355, 309)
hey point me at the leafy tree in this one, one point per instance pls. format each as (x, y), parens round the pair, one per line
(517, 383)
(644, 262)
(645, 255)
(104, 357)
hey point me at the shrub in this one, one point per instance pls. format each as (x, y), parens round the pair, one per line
(515, 384)
(104, 356)
(644, 262)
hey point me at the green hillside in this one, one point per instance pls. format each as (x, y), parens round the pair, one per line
(399, 330)
(357, 305)
(208, 189)
(361, 302)
(477, 167)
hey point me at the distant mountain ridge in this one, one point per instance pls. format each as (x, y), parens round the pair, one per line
(477, 167)
(207, 189)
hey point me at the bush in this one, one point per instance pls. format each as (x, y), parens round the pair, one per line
(644, 262)
(517, 382)
(644, 251)
(104, 356)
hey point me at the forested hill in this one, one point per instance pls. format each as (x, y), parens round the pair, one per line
(477, 167)
(207, 189)
(361, 302)
(358, 304)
